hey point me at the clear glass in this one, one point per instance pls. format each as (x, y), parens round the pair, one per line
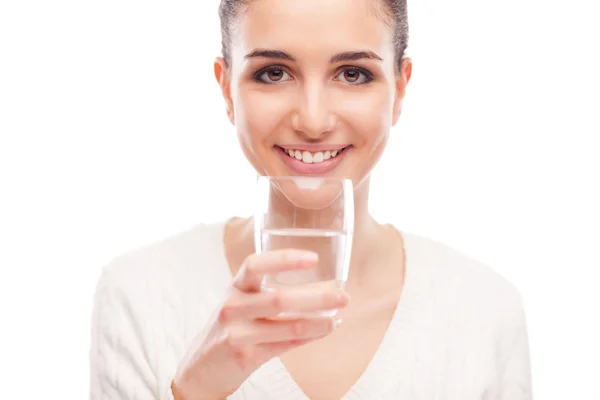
(308, 213)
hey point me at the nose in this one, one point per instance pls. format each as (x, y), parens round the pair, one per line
(313, 115)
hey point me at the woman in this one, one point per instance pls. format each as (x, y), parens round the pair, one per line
(184, 319)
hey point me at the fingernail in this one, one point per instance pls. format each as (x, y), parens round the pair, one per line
(342, 298)
(307, 259)
(309, 256)
(337, 322)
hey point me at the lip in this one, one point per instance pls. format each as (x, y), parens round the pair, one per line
(321, 168)
(313, 147)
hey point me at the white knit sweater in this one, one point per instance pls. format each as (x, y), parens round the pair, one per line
(458, 333)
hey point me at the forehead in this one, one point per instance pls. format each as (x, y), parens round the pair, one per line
(314, 26)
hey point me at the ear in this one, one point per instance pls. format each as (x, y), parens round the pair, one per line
(222, 75)
(402, 79)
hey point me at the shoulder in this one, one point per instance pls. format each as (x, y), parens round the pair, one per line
(147, 306)
(184, 268)
(195, 250)
(471, 309)
(463, 286)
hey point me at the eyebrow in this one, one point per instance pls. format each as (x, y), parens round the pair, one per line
(339, 57)
(354, 55)
(276, 54)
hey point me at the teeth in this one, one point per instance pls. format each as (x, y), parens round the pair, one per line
(307, 157)
(311, 158)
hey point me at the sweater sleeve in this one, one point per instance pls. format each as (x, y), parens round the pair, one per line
(514, 375)
(119, 360)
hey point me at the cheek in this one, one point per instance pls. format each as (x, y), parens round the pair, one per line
(369, 114)
(258, 114)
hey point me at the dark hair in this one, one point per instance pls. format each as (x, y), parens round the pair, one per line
(394, 14)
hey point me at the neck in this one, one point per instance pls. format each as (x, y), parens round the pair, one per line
(367, 233)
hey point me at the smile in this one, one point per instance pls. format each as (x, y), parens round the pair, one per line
(312, 161)
(310, 158)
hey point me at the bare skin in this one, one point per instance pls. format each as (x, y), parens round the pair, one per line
(315, 93)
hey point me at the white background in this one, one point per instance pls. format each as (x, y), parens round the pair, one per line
(113, 135)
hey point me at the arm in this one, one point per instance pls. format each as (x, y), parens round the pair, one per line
(118, 360)
(514, 378)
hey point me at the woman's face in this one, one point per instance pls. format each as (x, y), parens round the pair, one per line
(312, 86)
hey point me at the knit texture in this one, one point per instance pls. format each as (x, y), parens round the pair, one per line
(458, 333)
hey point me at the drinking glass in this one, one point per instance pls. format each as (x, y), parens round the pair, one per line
(308, 213)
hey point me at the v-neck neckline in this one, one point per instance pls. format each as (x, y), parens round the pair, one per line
(394, 358)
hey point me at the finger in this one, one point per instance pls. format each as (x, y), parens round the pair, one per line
(262, 352)
(274, 349)
(269, 331)
(271, 304)
(252, 357)
(256, 266)
(277, 348)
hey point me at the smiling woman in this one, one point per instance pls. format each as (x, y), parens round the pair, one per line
(313, 88)
(282, 90)
(322, 154)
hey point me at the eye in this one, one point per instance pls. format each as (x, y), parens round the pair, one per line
(355, 76)
(272, 75)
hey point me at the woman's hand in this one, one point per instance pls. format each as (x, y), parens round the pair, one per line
(246, 332)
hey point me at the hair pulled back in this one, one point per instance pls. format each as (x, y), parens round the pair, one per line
(394, 14)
